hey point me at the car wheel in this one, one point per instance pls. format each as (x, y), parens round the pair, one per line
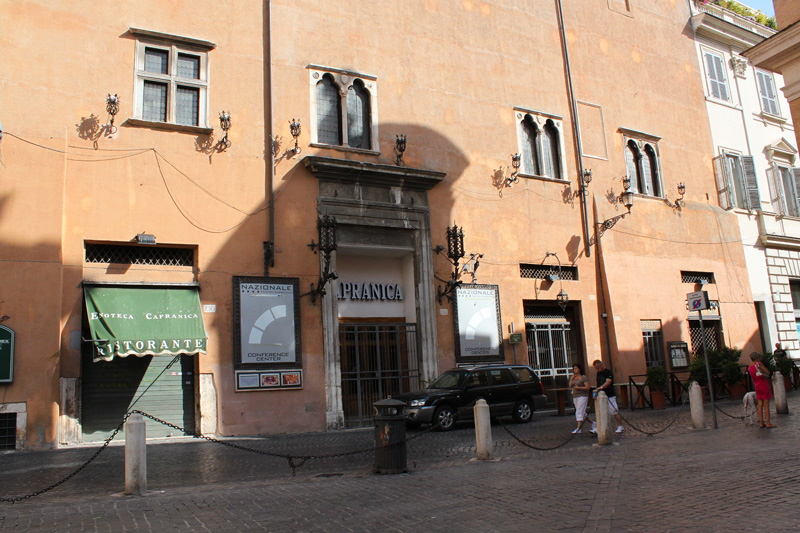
(445, 418)
(523, 412)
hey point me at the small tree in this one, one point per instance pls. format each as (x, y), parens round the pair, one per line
(657, 378)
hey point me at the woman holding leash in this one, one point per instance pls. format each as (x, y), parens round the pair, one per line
(761, 381)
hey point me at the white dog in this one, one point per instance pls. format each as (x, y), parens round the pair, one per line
(749, 407)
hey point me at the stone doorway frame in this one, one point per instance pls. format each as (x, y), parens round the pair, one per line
(377, 207)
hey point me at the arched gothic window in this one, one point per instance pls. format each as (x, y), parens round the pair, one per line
(541, 148)
(329, 111)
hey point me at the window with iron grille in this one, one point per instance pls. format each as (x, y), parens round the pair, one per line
(688, 276)
(8, 431)
(565, 273)
(653, 343)
(123, 254)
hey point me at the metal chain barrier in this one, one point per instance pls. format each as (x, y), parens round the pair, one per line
(529, 445)
(651, 433)
(84, 465)
(294, 461)
(728, 414)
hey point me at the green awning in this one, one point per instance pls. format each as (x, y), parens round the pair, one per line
(144, 321)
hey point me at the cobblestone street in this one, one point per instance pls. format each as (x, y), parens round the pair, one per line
(678, 480)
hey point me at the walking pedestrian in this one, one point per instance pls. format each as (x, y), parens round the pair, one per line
(779, 352)
(579, 384)
(605, 383)
(761, 381)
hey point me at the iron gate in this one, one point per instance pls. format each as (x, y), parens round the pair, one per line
(377, 361)
(550, 352)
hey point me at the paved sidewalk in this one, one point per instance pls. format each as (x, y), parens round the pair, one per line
(678, 480)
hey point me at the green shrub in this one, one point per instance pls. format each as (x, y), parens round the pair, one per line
(731, 373)
(657, 378)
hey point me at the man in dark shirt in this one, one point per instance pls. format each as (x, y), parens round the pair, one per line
(779, 352)
(605, 383)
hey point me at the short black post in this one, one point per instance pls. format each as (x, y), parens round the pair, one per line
(390, 437)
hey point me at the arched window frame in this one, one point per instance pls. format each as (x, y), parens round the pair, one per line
(642, 163)
(541, 144)
(357, 110)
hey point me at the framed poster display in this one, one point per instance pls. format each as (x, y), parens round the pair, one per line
(678, 354)
(266, 323)
(477, 323)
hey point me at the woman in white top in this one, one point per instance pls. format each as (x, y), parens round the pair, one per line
(579, 385)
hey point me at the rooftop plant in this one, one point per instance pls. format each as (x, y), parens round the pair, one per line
(741, 9)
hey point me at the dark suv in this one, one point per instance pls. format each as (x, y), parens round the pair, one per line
(510, 390)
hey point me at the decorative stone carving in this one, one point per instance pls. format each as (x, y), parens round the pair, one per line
(739, 66)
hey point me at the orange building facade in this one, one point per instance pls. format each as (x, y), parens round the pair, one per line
(310, 239)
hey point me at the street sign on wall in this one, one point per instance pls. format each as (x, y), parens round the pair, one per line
(697, 301)
(6, 354)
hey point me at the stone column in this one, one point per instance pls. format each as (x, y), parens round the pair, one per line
(696, 403)
(483, 430)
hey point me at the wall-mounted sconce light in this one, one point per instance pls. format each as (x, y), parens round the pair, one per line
(626, 199)
(294, 129)
(224, 123)
(145, 238)
(679, 202)
(455, 252)
(326, 228)
(563, 299)
(516, 161)
(112, 108)
(399, 148)
(587, 179)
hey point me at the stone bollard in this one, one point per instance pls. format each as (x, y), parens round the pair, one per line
(483, 430)
(696, 403)
(135, 456)
(779, 391)
(605, 430)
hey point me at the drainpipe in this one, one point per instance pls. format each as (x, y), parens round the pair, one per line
(573, 111)
(269, 246)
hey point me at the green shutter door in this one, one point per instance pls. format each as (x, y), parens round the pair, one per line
(111, 387)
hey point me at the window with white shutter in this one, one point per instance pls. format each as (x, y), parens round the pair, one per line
(715, 75)
(736, 181)
(766, 90)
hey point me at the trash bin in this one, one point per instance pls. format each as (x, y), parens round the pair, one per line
(390, 437)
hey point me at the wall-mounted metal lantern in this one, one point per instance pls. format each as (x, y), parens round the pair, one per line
(399, 149)
(224, 123)
(516, 162)
(326, 228)
(626, 199)
(679, 202)
(455, 252)
(112, 108)
(294, 129)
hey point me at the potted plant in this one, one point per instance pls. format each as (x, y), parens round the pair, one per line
(657, 382)
(732, 376)
(784, 366)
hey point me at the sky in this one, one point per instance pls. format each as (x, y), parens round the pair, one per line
(764, 6)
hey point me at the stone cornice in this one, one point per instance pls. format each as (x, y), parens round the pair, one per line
(345, 170)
